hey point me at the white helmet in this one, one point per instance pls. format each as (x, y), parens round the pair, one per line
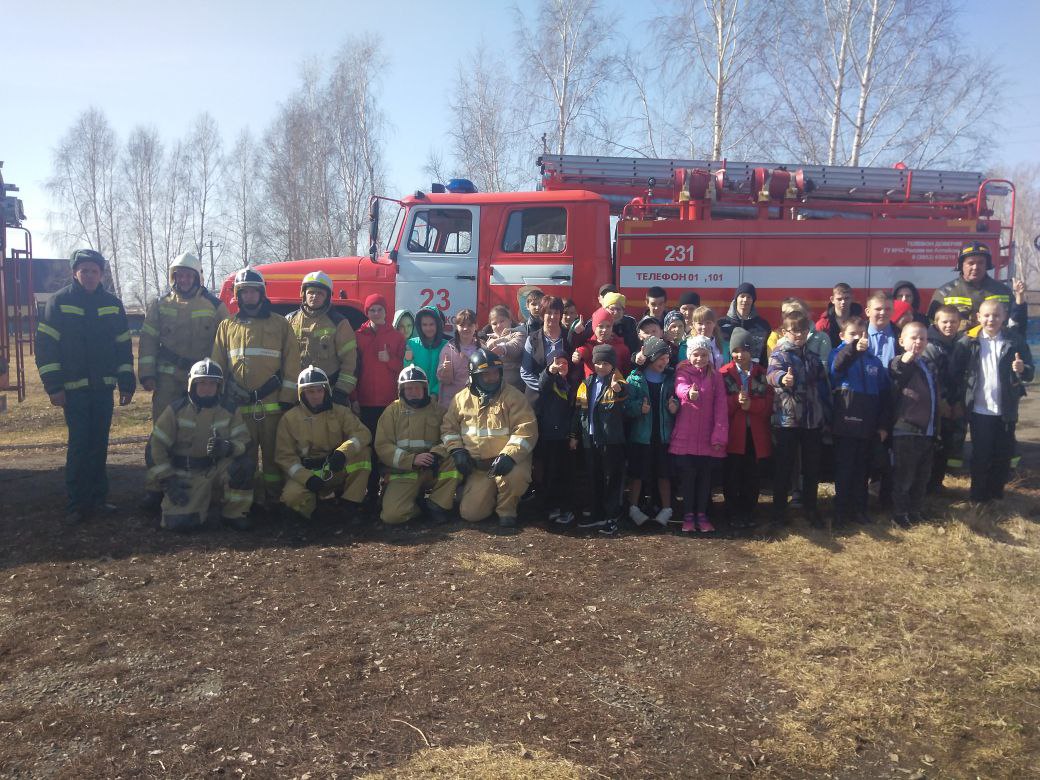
(186, 260)
(205, 369)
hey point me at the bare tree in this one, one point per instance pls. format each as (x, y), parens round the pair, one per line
(887, 81)
(143, 178)
(204, 169)
(85, 186)
(172, 213)
(241, 177)
(1027, 222)
(568, 55)
(356, 128)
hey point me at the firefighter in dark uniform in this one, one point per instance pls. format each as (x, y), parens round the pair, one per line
(178, 332)
(83, 354)
(974, 285)
(326, 338)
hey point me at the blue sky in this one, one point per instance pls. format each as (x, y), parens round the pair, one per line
(164, 63)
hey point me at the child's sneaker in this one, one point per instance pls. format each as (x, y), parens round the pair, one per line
(589, 524)
(609, 528)
(564, 519)
(663, 517)
(688, 525)
(637, 516)
(704, 524)
(554, 513)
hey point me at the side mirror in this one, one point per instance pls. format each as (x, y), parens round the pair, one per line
(373, 229)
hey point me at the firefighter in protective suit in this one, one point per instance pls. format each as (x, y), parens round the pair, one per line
(178, 332)
(406, 435)
(325, 336)
(260, 357)
(974, 285)
(490, 432)
(199, 444)
(323, 448)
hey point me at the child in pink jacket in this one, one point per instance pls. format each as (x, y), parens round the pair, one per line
(701, 431)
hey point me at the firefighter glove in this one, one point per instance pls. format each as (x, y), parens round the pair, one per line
(336, 460)
(285, 406)
(435, 467)
(219, 448)
(315, 484)
(463, 462)
(501, 466)
(340, 397)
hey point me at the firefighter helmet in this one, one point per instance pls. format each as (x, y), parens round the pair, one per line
(186, 260)
(312, 376)
(481, 362)
(316, 279)
(972, 249)
(248, 277)
(205, 369)
(414, 374)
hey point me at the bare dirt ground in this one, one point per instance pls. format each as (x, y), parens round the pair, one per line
(338, 649)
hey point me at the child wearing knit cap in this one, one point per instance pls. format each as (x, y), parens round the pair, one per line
(600, 424)
(742, 314)
(651, 409)
(701, 431)
(749, 401)
(602, 333)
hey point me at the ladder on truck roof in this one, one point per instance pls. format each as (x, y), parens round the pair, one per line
(618, 175)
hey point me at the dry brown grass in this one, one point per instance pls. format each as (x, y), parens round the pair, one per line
(931, 636)
(484, 762)
(35, 421)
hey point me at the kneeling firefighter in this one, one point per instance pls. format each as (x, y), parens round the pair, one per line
(406, 435)
(323, 448)
(199, 444)
(490, 432)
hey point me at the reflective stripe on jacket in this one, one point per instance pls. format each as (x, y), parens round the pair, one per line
(184, 325)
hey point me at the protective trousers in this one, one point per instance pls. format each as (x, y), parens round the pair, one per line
(404, 489)
(482, 495)
(232, 479)
(263, 433)
(351, 483)
(88, 415)
(168, 388)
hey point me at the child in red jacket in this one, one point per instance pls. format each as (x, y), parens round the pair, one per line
(603, 333)
(749, 400)
(380, 359)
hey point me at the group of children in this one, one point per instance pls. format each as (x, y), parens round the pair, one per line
(681, 398)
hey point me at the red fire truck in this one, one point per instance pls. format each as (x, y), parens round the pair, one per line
(676, 224)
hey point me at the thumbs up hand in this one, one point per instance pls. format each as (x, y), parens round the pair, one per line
(639, 358)
(1018, 365)
(744, 400)
(409, 356)
(673, 405)
(444, 369)
(863, 344)
(576, 357)
(908, 356)
(788, 380)
(693, 393)
(1019, 286)
(646, 406)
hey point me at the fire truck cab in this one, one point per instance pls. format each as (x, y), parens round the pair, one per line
(465, 250)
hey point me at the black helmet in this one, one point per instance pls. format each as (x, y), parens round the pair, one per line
(312, 376)
(205, 369)
(87, 256)
(481, 362)
(413, 374)
(971, 249)
(247, 277)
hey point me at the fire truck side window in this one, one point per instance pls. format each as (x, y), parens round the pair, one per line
(441, 231)
(536, 230)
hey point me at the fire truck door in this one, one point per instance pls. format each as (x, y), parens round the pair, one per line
(437, 259)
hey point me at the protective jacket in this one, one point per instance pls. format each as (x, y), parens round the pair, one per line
(180, 435)
(327, 341)
(178, 332)
(260, 358)
(404, 432)
(83, 342)
(967, 298)
(305, 439)
(505, 425)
